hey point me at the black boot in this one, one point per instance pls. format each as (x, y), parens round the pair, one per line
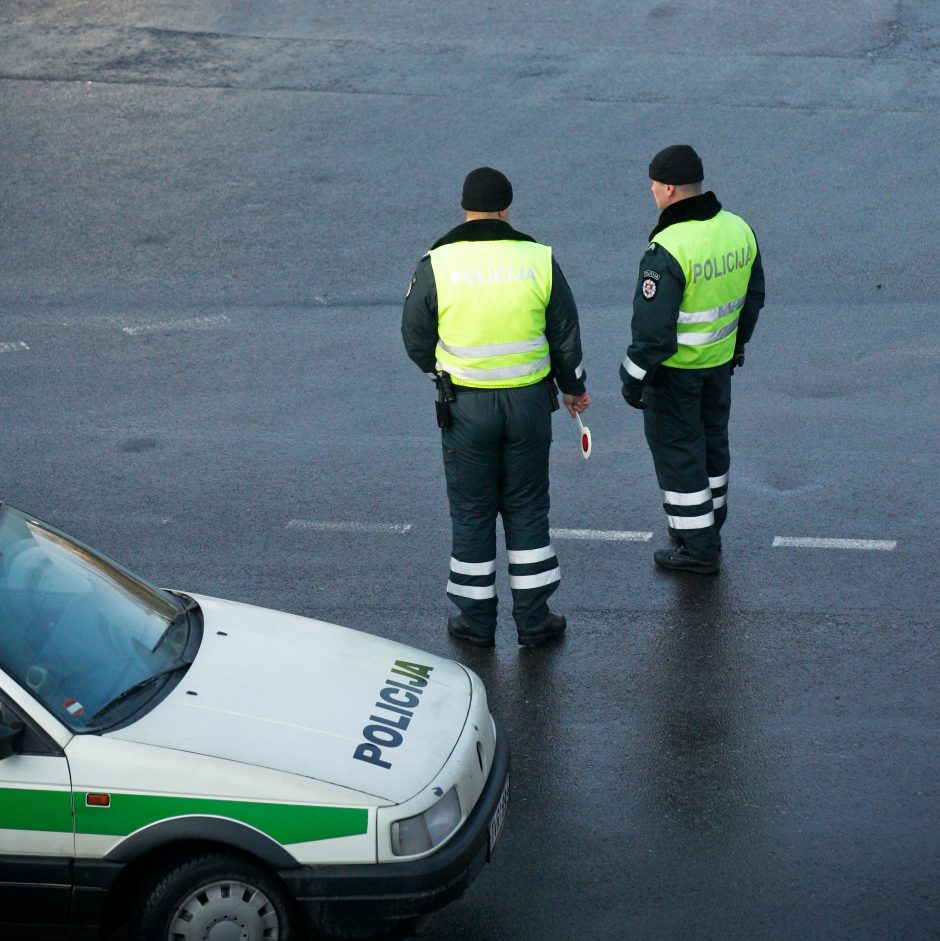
(680, 560)
(552, 626)
(459, 628)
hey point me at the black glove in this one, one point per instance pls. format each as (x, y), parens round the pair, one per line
(737, 361)
(632, 392)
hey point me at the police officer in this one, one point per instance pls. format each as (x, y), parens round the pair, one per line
(489, 315)
(698, 294)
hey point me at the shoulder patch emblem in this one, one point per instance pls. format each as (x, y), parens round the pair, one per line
(649, 288)
(655, 275)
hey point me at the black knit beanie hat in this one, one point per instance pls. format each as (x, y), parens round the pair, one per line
(486, 190)
(677, 164)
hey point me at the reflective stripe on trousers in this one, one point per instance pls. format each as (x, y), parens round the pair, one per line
(475, 580)
(533, 568)
(688, 510)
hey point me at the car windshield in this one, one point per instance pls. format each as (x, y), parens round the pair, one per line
(80, 631)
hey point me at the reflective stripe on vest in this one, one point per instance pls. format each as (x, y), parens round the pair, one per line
(716, 256)
(491, 300)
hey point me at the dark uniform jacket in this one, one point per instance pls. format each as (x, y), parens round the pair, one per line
(654, 320)
(419, 316)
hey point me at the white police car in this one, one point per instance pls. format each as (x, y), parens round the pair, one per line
(177, 767)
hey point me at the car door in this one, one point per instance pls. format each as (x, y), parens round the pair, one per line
(37, 842)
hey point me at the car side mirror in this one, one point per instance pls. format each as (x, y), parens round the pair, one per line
(9, 738)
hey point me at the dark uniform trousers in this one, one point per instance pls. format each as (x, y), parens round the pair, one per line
(496, 462)
(686, 424)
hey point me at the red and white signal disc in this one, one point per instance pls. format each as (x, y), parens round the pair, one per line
(585, 438)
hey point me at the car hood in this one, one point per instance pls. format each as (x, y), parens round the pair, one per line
(297, 695)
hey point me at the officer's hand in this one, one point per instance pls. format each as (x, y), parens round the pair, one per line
(632, 393)
(737, 361)
(576, 403)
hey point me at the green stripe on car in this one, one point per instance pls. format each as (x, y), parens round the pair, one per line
(32, 809)
(286, 823)
(51, 811)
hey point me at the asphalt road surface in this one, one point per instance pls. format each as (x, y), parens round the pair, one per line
(210, 213)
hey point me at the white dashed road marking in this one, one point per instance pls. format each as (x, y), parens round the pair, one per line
(13, 347)
(802, 542)
(350, 527)
(191, 323)
(601, 535)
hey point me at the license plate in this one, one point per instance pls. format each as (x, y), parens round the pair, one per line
(499, 816)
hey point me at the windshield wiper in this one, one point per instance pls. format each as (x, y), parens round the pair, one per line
(189, 605)
(137, 687)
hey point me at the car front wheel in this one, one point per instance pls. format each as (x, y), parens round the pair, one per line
(216, 897)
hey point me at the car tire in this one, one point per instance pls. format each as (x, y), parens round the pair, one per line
(186, 901)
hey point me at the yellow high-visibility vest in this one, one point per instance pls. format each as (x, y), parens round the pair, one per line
(716, 256)
(491, 300)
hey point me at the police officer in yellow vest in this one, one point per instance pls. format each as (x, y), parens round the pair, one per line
(699, 291)
(489, 313)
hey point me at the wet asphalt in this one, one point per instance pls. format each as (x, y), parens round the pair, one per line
(210, 215)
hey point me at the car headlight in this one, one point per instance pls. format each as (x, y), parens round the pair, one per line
(425, 831)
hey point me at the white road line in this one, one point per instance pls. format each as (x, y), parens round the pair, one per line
(13, 347)
(122, 519)
(598, 535)
(801, 542)
(191, 323)
(602, 535)
(350, 527)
